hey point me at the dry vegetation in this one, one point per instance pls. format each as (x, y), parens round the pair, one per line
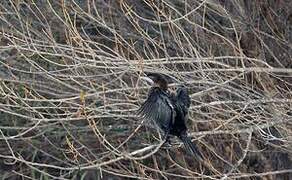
(69, 75)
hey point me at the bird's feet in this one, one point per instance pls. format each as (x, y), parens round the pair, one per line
(167, 143)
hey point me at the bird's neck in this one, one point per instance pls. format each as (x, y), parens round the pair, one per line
(162, 86)
(163, 90)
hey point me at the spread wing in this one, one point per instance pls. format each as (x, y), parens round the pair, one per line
(183, 99)
(158, 108)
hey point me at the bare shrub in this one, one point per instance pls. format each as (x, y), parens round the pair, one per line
(69, 74)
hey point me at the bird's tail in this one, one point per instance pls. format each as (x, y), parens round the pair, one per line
(191, 147)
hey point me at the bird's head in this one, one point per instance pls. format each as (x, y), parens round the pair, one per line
(156, 79)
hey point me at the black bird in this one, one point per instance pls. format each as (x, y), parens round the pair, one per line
(168, 111)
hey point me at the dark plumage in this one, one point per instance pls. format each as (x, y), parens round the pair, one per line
(168, 111)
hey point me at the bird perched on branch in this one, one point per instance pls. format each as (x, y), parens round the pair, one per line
(168, 111)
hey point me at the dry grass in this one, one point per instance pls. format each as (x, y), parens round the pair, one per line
(69, 74)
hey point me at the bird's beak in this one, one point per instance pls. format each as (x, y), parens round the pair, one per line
(147, 79)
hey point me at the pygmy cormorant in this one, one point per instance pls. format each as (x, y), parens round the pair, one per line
(168, 111)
